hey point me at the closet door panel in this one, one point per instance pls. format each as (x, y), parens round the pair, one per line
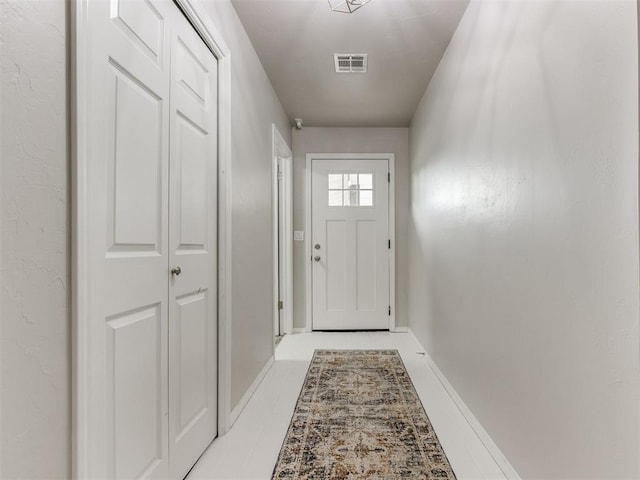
(193, 218)
(138, 394)
(127, 91)
(191, 166)
(135, 173)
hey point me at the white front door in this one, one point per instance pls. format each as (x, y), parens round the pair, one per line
(350, 244)
(150, 179)
(192, 249)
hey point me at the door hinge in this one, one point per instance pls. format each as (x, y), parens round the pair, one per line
(389, 177)
(389, 310)
(280, 305)
(389, 244)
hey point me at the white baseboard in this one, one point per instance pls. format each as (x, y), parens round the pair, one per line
(235, 413)
(400, 330)
(502, 462)
(300, 330)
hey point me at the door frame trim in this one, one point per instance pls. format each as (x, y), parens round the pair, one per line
(80, 36)
(281, 151)
(308, 225)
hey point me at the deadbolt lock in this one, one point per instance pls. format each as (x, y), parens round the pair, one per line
(317, 246)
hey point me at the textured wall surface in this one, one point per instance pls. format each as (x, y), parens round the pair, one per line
(524, 233)
(35, 328)
(254, 108)
(351, 140)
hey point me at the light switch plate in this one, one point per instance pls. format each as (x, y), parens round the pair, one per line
(298, 235)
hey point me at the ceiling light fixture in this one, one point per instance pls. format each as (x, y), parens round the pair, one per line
(347, 6)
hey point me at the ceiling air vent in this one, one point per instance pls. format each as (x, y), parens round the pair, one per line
(350, 62)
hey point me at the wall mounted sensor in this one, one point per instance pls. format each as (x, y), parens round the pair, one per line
(298, 123)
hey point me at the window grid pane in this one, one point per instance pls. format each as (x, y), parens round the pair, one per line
(335, 198)
(365, 180)
(350, 189)
(351, 181)
(366, 198)
(335, 181)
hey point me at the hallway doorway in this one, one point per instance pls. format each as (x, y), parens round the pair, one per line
(282, 193)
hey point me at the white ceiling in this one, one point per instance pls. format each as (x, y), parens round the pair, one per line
(296, 40)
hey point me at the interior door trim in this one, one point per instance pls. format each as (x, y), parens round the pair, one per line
(81, 296)
(282, 152)
(308, 225)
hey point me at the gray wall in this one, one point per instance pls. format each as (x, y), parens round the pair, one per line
(524, 231)
(352, 140)
(254, 108)
(35, 391)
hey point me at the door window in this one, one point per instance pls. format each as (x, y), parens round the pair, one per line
(350, 189)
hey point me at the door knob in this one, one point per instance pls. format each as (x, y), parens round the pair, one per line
(316, 258)
(176, 271)
(317, 246)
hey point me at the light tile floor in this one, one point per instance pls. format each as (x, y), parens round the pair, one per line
(250, 449)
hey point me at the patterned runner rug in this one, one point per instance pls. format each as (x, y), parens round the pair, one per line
(359, 417)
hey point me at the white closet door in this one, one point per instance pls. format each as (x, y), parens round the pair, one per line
(150, 380)
(127, 183)
(350, 223)
(192, 244)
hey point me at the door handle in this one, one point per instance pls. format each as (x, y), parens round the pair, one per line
(176, 271)
(316, 258)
